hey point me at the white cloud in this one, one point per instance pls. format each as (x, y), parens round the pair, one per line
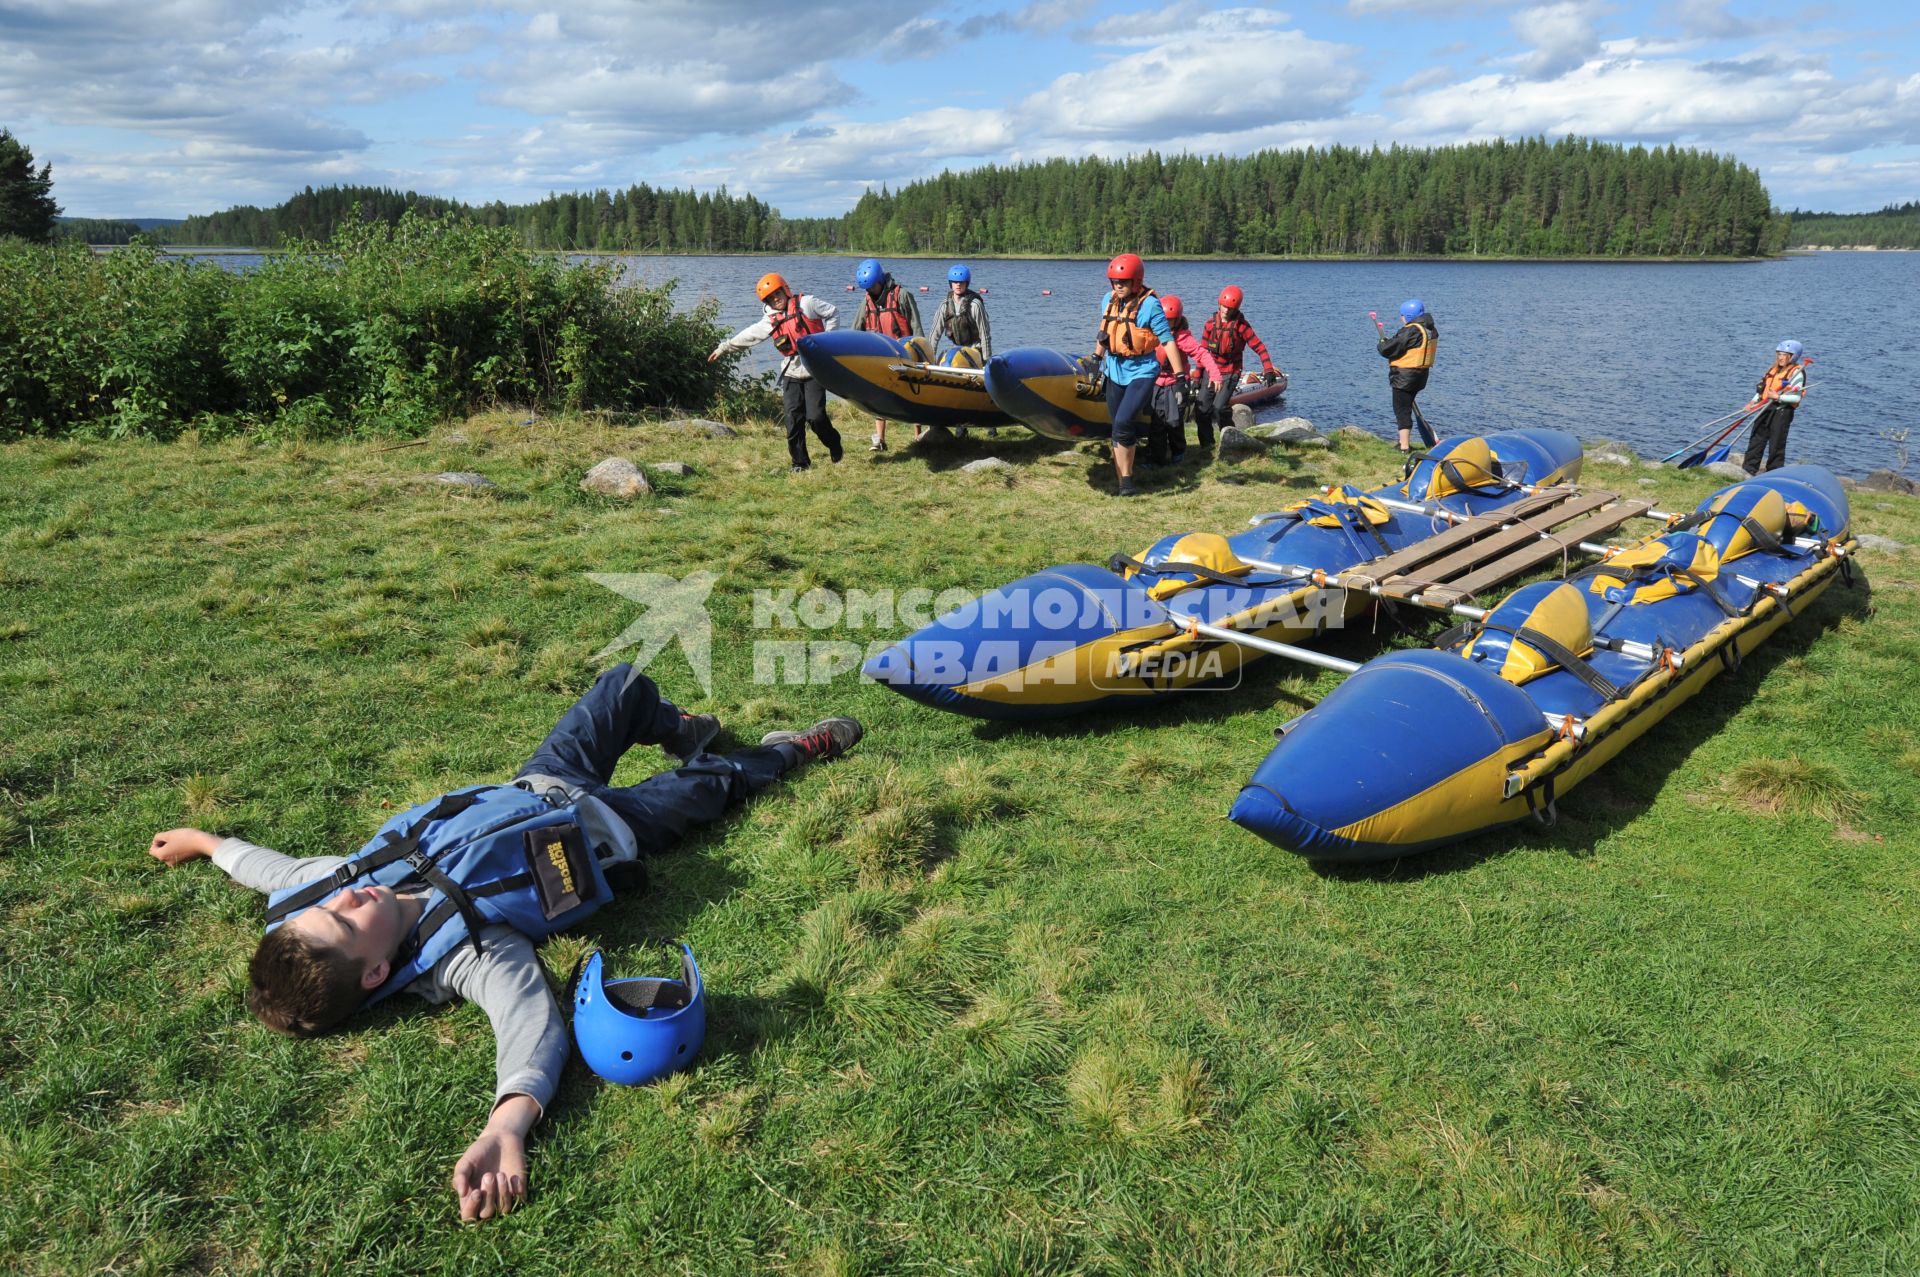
(1561, 36)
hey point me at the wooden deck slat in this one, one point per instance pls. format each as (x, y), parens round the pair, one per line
(1489, 548)
(1537, 554)
(1474, 529)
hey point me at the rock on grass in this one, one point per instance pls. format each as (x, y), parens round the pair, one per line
(616, 477)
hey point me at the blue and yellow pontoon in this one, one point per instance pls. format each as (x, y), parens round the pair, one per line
(1052, 393)
(1420, 748)
(1080, 636)
(899, 379)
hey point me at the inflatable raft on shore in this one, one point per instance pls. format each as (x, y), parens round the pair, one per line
(1080, 636)
(1503, 715)
(1052, 393)
(899, 380)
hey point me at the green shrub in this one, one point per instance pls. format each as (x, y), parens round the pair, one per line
(383, 327)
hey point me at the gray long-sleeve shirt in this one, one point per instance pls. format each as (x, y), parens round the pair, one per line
(505, 980)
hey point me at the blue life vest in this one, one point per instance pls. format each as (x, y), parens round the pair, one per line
(486, 854)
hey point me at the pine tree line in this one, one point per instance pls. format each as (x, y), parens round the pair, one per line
(1532, 198)
(1895, 226)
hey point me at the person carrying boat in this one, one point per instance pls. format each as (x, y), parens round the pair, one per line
(1170, 397)
(789, 317)
(962, 320)
(1132, 327)
(1409, 352)
(1779, 392)
(1227, 336)
(447, 900)
(891, 311)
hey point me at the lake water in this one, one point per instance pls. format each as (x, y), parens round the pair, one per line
(1639, 352)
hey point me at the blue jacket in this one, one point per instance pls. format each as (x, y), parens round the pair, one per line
(486, 854)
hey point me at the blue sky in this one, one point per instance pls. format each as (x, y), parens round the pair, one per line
(171, 107)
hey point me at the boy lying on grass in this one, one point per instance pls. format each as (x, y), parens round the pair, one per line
(448, 898)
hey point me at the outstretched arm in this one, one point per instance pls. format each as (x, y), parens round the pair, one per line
(261, 868)
(530, 1049)
(175, 847)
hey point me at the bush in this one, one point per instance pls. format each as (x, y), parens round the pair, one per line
(389, 327)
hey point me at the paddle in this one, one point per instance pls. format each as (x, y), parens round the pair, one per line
(1713, 432)
(1703, 456)
(1427, 436)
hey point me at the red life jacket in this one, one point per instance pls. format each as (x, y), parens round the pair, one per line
(792, 325)
(885, 316)
(1227, 341)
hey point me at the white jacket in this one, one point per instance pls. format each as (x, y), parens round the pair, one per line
(753, 334)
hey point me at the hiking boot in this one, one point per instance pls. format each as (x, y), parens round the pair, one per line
(828, 738)
(696, 733)
(1126, 489)
(835, 452)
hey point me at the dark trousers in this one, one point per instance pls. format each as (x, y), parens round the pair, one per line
(1215, 407)
(1169, 441)
(1403, 407)
(1125, 401)
(623, 709)
(806, 404)
(1768, 441)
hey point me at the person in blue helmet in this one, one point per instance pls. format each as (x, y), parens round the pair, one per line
(962, 320)
(1133, 329)
(1778, 392)
(448, 898)
(1409, 351)
(887, 309)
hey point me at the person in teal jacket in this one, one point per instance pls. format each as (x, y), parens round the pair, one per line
(1133, 327)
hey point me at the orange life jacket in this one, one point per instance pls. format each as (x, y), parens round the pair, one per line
(885, 315)
(1226, 341)
(792, 325)
(1120, 330)
(1774, 385)
(1420, 356)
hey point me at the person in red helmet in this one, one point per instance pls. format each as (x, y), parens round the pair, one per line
(1132, 327)
(1171, 394)
(1227, 335)
(789, 317)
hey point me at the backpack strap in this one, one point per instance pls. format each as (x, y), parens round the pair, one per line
(397, 846)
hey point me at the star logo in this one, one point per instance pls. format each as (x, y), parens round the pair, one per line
(676, 608)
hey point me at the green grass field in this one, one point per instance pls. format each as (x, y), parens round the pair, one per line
(984, 1000)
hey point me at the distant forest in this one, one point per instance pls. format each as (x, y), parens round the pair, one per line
(1531, 198)
(1895, 226)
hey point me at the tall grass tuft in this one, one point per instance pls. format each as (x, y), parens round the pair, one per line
(1792, 786)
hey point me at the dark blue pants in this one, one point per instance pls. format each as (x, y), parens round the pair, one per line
(1126, 400)
(623, 709)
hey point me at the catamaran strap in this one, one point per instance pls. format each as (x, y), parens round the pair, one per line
(1628, 575)
(1122, 562)
(397, 846)
(1563, 656)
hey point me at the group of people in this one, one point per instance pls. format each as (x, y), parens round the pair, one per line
(885, 307)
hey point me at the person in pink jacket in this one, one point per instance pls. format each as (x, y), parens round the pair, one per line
(1171, 393)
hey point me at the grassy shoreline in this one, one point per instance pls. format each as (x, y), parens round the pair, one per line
(985, 999)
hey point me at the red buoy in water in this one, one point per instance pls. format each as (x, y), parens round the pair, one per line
(923, 288)
(1046, 292)
(849, 287)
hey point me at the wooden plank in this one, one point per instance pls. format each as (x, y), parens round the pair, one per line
(1444, 571)
(1463, 533)
(1541, 552)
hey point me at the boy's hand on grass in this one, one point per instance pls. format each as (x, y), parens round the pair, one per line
(177, 846)
(491, 1177)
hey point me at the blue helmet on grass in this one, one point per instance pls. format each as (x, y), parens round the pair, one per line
(1412, 308)
(870, 274)
(636, 1031)
(1793, 348)
(959, 274)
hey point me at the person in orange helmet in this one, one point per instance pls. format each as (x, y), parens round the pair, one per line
(789, 317)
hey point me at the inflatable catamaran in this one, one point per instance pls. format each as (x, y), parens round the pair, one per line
(898, 378)
(1512, 709)
(1053, 394)
(1194, 607)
